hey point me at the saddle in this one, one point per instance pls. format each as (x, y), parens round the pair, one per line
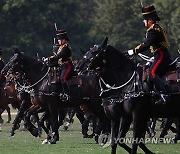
(54, 78)
(171, 78)
(53, 75)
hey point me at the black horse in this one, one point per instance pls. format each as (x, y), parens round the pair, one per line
(125, 95)
(46, 95)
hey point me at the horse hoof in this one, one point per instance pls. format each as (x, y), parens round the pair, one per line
(174, 140)
(65, 127)
(12, 134)
(39, 134)
(52, 141)
(46, 141)
(96, 137)
(34, 132)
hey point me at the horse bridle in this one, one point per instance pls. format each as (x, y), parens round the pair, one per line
(26, 85)
(104, 59)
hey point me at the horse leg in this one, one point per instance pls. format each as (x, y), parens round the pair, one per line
(44, 117)
(20, 114)
(61, 114)
(101, 127)
(167, 123)
(150, 128)
(153, 124)
(1, 111)
(16, 122)
(142, 144)
(139, 130)
(9, 113)
(35, 114)
(71, 120)
(53, 108)
(80, 115)
(33, 130)
(123, 129)
(115, 128)
(177, 136)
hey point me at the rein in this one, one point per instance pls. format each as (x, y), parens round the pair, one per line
(30, 86)
(109, 87)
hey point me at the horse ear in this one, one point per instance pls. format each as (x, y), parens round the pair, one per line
(16, 50)
(82, 51)
(104, 42)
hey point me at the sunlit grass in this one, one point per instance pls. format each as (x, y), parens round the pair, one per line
(71, 142)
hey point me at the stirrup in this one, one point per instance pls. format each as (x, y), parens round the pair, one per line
(64, 97)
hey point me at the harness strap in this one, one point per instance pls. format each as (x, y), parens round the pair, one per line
(112, 87)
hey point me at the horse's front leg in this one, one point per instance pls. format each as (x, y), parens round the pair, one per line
(113, 112)
(19, 117)
(139, 131)
(123, 129)
(9, 114)
(33, 130)
(53, 109)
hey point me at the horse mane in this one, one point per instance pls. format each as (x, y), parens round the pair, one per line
(117, 54)
(30, 58)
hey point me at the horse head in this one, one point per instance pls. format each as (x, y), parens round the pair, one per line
(91, 56)
(21, 63)
(12, 62)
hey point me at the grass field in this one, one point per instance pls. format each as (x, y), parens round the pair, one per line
(71, 142)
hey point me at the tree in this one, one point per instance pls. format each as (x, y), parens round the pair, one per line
(169, 11)
(120, 21)
(29, 24)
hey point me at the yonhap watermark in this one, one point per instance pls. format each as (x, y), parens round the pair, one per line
(105, 140)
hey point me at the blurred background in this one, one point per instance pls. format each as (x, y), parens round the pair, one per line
(29, 24)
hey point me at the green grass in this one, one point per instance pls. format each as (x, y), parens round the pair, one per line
(71, 142)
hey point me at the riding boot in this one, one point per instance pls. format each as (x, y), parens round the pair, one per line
(161, 87)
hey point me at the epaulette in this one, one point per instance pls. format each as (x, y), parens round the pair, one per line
(157, 27)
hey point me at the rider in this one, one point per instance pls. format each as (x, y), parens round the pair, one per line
(158, 43)
(63, 58)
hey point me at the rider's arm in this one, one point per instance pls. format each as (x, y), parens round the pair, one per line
(151, 37)
(60, 54)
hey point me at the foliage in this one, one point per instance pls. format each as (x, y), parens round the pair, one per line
(29, 24)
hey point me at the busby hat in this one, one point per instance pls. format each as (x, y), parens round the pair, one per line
(150, 12)
(62, 34)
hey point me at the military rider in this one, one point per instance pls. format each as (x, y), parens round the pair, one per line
(156, 39)
(63, 58)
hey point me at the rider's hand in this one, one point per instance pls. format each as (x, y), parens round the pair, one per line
(45, 59)
(130, 52)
